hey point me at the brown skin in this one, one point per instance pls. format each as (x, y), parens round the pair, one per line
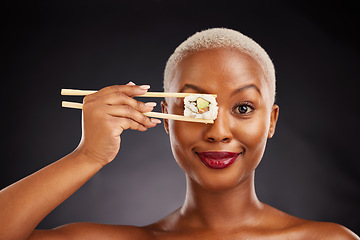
(219, 204)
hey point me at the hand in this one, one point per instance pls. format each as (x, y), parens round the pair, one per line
(106, 114)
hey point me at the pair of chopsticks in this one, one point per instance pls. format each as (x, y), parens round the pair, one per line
(75, 92)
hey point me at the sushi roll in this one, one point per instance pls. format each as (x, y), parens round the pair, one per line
(202, 106)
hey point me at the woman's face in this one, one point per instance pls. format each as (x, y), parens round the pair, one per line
(246, 116)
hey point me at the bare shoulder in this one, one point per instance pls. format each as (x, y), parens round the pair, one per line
(91, 231)
(299, 228)
(326, 230)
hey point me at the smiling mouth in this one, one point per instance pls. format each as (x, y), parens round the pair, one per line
(218, 160)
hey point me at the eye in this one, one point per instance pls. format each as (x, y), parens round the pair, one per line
(243, 108)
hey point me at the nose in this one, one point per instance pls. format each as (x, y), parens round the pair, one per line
(220, 131)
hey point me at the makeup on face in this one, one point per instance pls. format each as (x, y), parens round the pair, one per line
(221, 153)
(218, 159)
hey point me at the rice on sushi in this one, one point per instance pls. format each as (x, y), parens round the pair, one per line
(202, 106)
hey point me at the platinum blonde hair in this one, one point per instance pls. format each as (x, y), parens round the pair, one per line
(221, 38)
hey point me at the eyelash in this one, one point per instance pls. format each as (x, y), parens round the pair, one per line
(250, 107)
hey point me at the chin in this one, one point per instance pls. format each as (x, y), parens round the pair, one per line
(219, 180)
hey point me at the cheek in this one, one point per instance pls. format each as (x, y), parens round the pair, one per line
(183, 136)
(253, 134)
(182, 140)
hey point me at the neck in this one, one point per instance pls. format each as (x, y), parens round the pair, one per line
(213, 209)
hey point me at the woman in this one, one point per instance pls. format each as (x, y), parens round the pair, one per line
(219, 159)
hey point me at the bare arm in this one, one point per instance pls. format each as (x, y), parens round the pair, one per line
(106, 115)
(25, 203)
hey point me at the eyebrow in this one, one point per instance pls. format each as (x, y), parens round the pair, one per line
(246, 87)
(200, 90)
(193, 87)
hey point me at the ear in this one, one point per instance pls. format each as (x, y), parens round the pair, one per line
(164, 110)
(273, 120)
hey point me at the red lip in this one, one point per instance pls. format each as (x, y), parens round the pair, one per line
(218, 160)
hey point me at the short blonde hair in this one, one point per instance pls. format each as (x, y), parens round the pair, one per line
(220, 38)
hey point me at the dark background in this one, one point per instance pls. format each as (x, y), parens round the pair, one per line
(311, 166)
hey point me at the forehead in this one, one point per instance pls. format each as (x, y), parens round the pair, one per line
(217, 69)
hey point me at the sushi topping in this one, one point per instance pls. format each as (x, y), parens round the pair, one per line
(202, 105)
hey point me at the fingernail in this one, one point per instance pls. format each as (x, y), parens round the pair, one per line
(154, 120)
(144, 87)
(130, 83)
(150, 104)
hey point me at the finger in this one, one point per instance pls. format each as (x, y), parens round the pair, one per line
(131, 83)
(126, 111)
(127, 123)
(129, 90)
(118, 125)
(120, 94)
(118, 98)
(122, 99)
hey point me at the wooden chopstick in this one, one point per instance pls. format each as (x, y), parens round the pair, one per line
(76, 92)
(177, 117)
(148, 114)
(75, 105)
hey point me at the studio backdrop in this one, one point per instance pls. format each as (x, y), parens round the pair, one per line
(310, 168)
